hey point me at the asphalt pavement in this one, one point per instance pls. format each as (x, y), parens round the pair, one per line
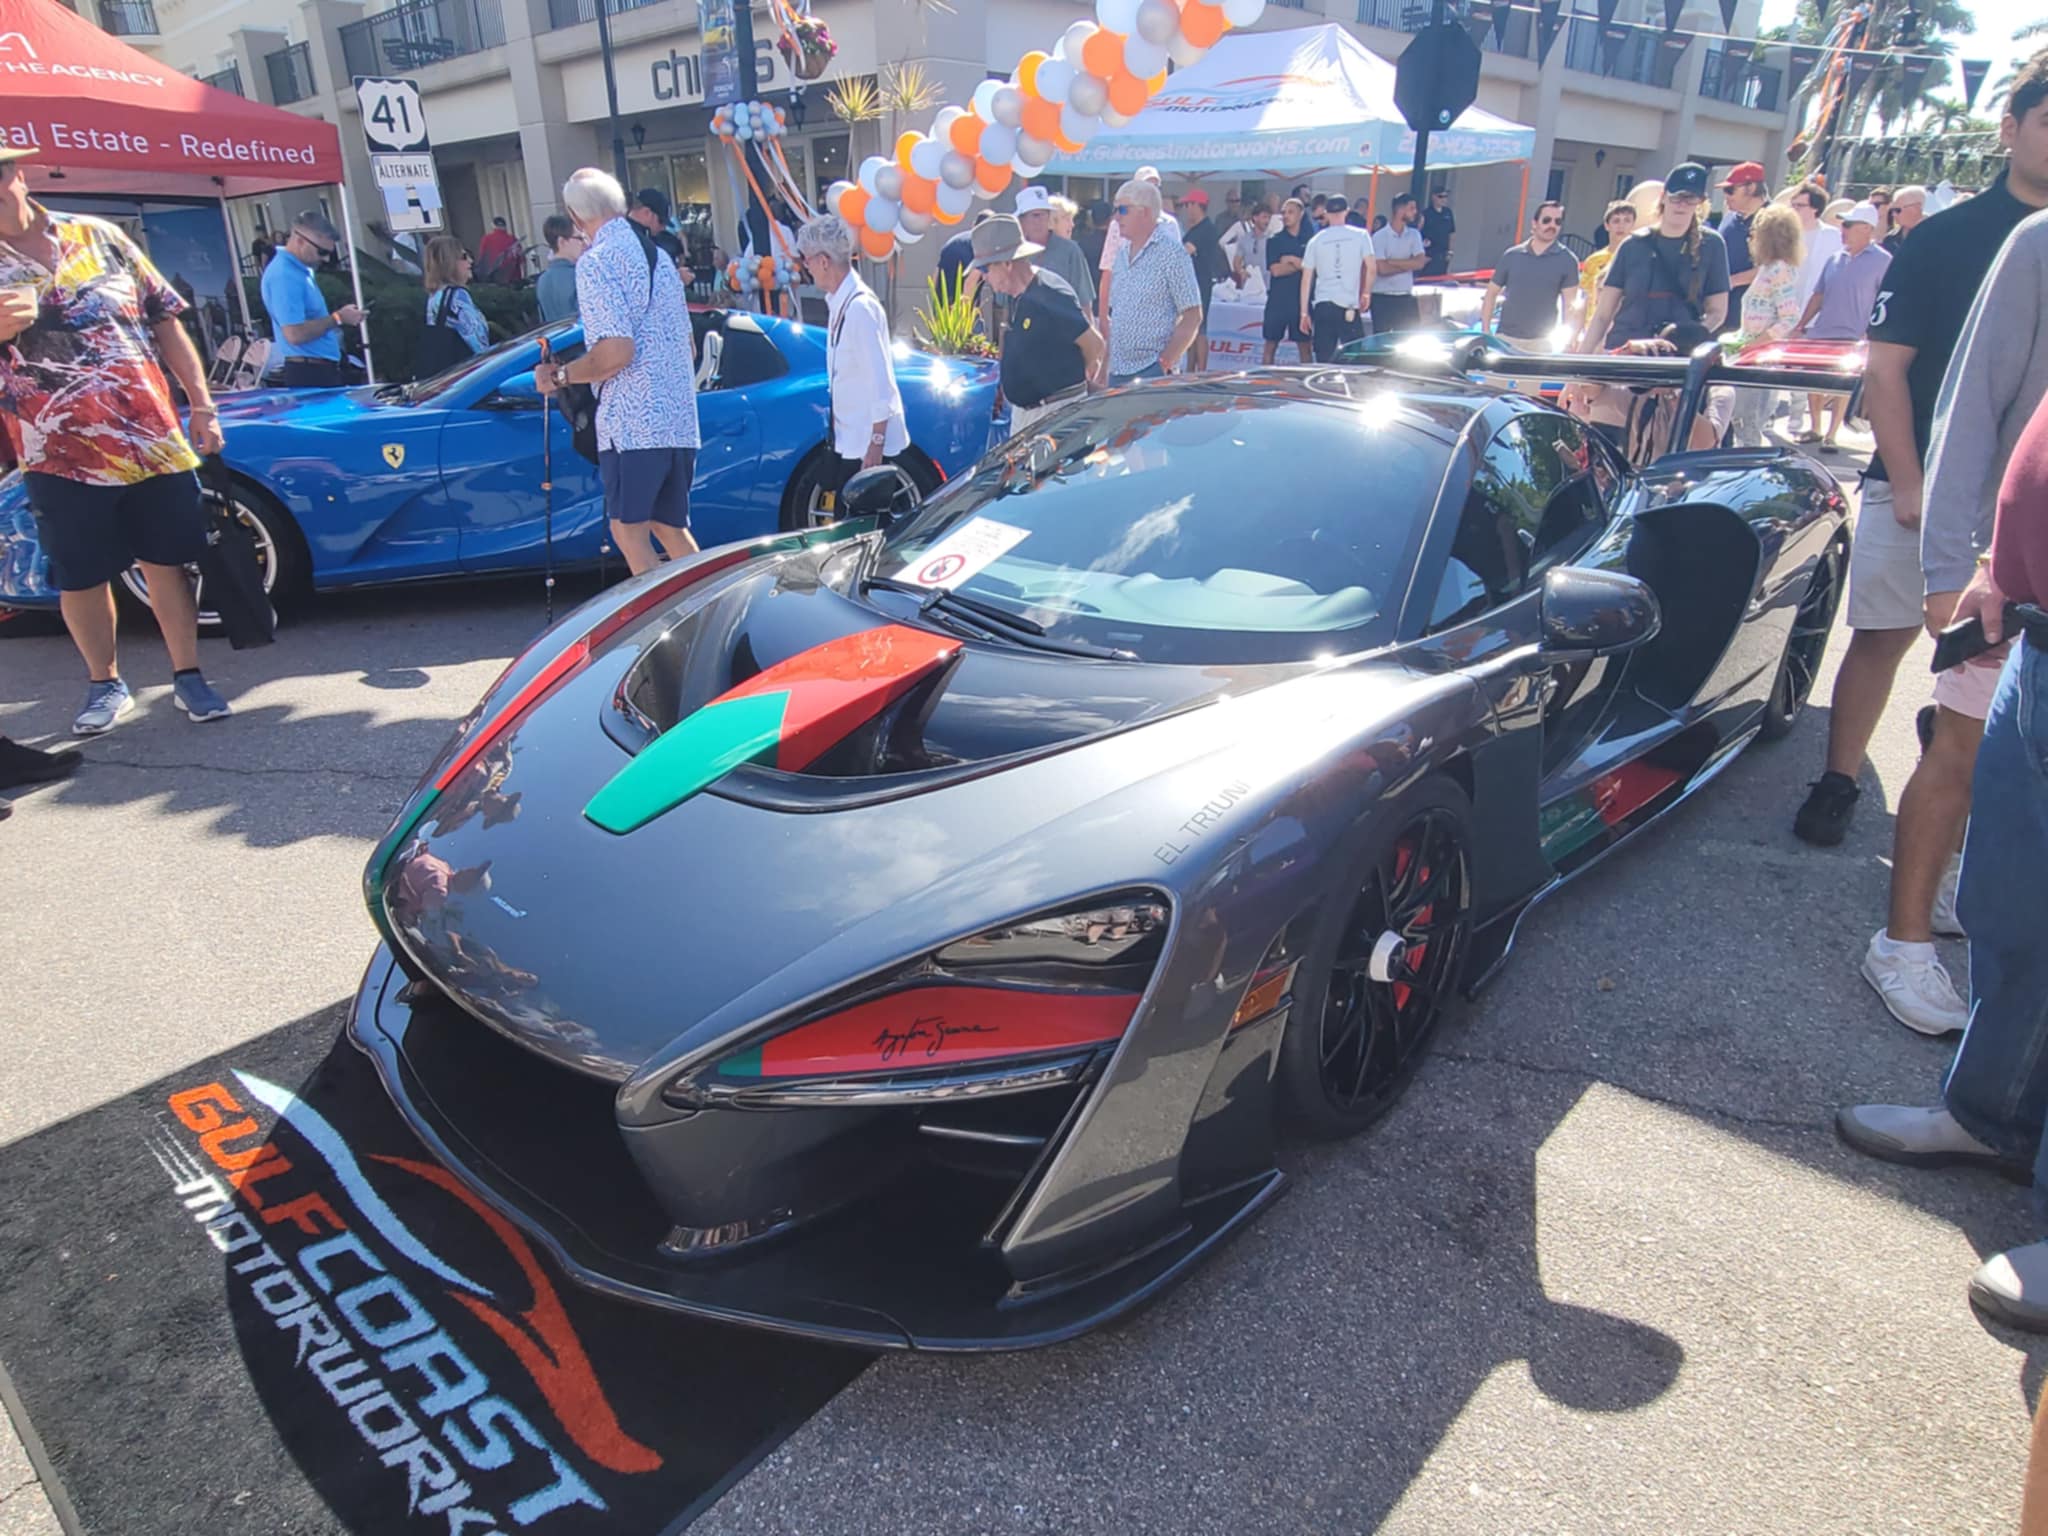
(1606, 1268)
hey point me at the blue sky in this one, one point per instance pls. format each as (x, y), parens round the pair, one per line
(1996, 22)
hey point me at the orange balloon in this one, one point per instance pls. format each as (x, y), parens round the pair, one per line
(966, 134)
(1127, 93)
(939, 213)
(1062, 142)
(853, 207)
(1156, 84)
(878, 245)
(993, 178)
(1041, 117)
(905, 142)
(1027, 71)
(1103, 54)
(919, 195)
(1202, 24)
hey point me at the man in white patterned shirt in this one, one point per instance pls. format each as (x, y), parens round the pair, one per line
(637, 353)
(1156, 311)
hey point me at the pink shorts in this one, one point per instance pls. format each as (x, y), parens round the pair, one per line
(1968, 689)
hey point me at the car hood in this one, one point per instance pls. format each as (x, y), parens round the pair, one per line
(1051, 778)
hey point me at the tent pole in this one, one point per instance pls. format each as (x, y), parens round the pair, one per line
(235, 268)
(1372, 197)
(355, 277)
(1522, 207)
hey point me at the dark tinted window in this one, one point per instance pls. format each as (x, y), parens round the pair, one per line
(745, 356)
(1538, 500)
(1193, 522)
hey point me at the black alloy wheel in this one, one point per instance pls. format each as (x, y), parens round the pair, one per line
(1808, 642)
(1365, 1016)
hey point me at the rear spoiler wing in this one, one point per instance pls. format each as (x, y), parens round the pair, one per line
(1459, 356)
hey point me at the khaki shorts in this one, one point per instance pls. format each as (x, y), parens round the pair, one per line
(1886, 587)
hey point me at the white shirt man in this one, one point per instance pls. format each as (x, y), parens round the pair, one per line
(1245, 246)
(865, 400)
(1336, 290)
(1398, 254)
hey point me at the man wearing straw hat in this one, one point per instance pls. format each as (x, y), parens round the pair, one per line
(1050, 351)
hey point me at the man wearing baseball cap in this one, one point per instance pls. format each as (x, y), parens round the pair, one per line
(1050, 351)
(87, 328)
(1062, 256)
(1743, 193)
(1839, 307)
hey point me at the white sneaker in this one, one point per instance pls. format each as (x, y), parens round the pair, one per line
(1911, 981)
(1945, 921)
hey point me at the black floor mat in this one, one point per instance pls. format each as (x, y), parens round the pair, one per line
(304, 1325)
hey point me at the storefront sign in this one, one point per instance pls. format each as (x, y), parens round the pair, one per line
(690, 77)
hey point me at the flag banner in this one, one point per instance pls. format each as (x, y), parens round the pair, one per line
(1974, 71)
(1728, 14)
(1549, 22)
(1673, 9)
(1801, 63)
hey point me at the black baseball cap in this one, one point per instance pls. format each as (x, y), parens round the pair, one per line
(655, 201)
(1335, 205)
(1690, 177)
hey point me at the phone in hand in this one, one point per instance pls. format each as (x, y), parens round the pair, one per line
(1960, 642)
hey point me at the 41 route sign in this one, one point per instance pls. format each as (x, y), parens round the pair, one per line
(401, 153)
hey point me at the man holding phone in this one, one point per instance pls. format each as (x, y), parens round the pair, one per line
(304, 332)
(87, 328)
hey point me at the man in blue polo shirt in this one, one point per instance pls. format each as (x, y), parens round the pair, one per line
(304, 332)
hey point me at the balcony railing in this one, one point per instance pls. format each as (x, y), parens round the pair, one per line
(1413, 16)
(291, 74)
(229, 79)
(568, 13)
(421, 32)
(1741, 82)
(1642, 57)
(129, 18)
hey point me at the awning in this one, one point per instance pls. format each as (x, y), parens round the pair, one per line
(110, 118)
(1311, 99)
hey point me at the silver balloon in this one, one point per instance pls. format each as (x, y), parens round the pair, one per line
(1181, 51)
(1144, 58)
(905, 235)
(1111, 118)
(1087, 95)
(889, 182)
(911, 224)
(956, 170)
(1078, 126)
(1158, 20)
(1008, 106)
(1033, 151)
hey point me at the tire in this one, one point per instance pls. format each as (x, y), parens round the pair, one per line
(1811, 626)
(806, 487)
(1365, 1014)
(280, 550)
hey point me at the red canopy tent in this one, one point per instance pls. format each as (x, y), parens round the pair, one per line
(105, 117)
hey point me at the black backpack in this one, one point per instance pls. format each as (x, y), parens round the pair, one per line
(439, 345)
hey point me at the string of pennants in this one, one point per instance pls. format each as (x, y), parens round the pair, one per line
(1482, 16)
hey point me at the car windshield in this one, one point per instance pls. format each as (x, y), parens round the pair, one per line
(475, 367)
(1195, 523)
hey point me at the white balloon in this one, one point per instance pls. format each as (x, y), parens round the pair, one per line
(1034, 151)
(1023, 171)
(1078, 126)
(911, 225)
(1181, 51)
(985, 98)
(1006, 106)
(956, 200)
(983, 192)
(1111, 118)
(925, 156)
(1117, 15)
(1158, 20)
(1087, 96)
(998, 144)
(1074, 39)
(956, 170)
(1143, 57)
(882, 215)
(1055, 76)
(942, 125)
(1242, 13)
(834, 193)
(906, 235)
(869, 169)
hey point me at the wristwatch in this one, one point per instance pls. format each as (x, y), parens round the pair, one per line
(561, 374)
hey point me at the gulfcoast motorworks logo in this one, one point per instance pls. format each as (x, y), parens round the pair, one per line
(326, 1262)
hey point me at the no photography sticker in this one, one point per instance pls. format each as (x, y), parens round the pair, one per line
(974, 544)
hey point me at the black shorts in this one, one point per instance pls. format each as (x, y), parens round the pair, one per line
(1333, 330)
(1283, 322)
(92, 533)
(1395, 312)
(647, 485)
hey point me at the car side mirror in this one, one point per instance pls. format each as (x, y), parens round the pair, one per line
(882, 493)
(517, 393)
(1589, 613)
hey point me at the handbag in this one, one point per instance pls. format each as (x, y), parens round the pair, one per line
(440, 346)
(230, 574)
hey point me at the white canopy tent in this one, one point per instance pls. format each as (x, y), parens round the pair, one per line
(1284, 103)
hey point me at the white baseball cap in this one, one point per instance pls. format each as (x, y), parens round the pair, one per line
(1033, 200)
(1862, 213)
(1146, 173)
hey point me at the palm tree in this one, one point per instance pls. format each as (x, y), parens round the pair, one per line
(1942, 116)
(2027, 33)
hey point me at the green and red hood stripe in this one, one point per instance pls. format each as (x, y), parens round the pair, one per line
(792, 713)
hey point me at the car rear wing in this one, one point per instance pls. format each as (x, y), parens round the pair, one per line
(1460, 356)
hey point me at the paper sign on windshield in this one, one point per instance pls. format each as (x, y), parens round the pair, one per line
(974, 544)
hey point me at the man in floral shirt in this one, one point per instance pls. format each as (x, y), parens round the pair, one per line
(88, 416)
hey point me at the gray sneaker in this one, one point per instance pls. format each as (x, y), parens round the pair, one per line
(196, 696)
(104, 704)
(1923, 1138)
(2012, 1287)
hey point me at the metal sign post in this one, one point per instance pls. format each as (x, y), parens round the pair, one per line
(355, 277)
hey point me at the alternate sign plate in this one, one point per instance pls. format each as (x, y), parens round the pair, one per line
(411, 191)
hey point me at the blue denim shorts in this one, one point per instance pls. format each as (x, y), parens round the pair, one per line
(647, 485)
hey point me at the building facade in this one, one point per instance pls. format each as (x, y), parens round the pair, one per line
(516, 97)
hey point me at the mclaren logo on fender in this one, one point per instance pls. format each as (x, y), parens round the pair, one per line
(361, 1307)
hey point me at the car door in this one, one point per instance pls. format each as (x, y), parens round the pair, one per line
(737, 370)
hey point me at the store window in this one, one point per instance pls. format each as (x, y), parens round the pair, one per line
(685, 176)
(830, 155)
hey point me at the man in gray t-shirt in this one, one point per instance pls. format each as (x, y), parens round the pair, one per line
(1532, 276)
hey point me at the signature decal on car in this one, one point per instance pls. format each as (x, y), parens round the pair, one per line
(928, 1035)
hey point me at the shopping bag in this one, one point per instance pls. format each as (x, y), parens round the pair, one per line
(230, 575)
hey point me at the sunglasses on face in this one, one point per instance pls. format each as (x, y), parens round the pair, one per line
(1684, 199)
(1548, 223)
(1124, 208)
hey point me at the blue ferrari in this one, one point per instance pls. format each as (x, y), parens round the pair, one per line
(443, 478)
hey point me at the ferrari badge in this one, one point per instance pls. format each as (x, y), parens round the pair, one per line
(394, 454)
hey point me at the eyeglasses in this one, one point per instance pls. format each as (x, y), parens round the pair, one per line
(1548, 223)
(1122, 209)
(1683, 199)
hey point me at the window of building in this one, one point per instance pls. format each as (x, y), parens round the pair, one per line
(829, 154)
(1553, 191)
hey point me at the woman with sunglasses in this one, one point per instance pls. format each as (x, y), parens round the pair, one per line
(448, 268)
(304, 332)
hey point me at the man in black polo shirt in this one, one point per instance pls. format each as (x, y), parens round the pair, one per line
(1922, 302)
(1050, 351)
(1285, 248)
